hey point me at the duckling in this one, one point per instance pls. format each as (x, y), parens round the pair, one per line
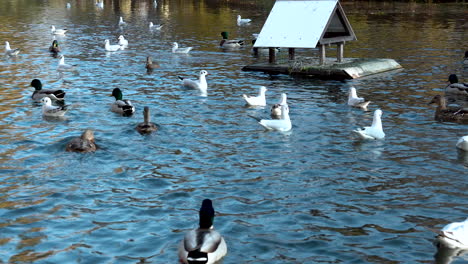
(454, 235)
(54, 48)
(123, 107)
(230, 44)
(150, 66)
(258, 100)
(84, 143)
(50, 110)
(146, 127)
(39, 93)
(448, 114)
(455, 87)
(204, 244)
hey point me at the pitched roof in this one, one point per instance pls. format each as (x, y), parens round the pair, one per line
(304, 24)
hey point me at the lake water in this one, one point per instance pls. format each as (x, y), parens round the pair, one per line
(314, 195)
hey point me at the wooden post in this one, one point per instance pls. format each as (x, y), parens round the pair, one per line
(291, 53)
(322, 55)
(271, 55)
(339, 51)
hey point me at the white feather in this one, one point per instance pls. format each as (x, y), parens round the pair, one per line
(375, 131)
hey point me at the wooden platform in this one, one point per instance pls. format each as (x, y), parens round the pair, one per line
(350, 68)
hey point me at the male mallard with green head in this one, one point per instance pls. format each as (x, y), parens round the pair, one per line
(120, 105)
(39, 93)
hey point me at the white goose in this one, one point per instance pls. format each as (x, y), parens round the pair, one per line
(112, 48)
(375, 131)
(199, 84)
(62, 66)
(9, 51)
(55, 31)
(355, 101)
(123, 41)
(454, 235)
(258, 100)
(275, 110)
(242, 21)
(204, 244)
(176, 49)
(283, 124)
(462, 143)
(50, 110)
(153, 26)
(122, 22)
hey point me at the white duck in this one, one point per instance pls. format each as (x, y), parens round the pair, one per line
(55, 31)
(153, 26)
(283, 124)
(9, 51)
(176, 49)
(121, 106)
(355, 101)
(122, 22)
(454, 235)
(199, 84)
(462, 143)
(258, 100)
(112, 48)
(50, 110)
(275, 110)
(242, 21)
(375, 131)
(123, 41)
(62, 66)
(204, 244)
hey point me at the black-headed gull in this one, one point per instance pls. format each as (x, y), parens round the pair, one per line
(123, 41)
(122, 22)
(55, 31)
(176, 49)
(258, 100)
(462, 143)
(121, 106)
(146, 127)
(454, 235)
(50, 110)
(283, 124)
(199, 84)
(355, 101)
(153, 26)
(204, 244)
(375, 131)
(112, 48)
(84, 143)
(9, 51)
(62, 66)
(242, 21)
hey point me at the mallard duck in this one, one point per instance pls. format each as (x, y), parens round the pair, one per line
(55, 31)
(375, 131)
(123, 41)
(84, 143)
(204, 244)
(199, 84)
(50, 110)
(146, 127)
(54, 48)
(112, 48)
(283, 124)
(230, 44)
(9, 51)
(258, 100)
(121, 106)
(153, 26)
(275, 110)
(448, 114)
(242, 21)
(455, 87)
(454, 235)
(355, 101)
(176, 49)
(462, 143)
(150, 65)
(39, 93)
(122, 22)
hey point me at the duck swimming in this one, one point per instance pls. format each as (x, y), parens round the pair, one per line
(230, 44)
(121, 106)
(84, 143)
(204, 244)
(54, 48)
(150, 65)
(444, 113)
(146, 127)
(39, 93)
(455, 87)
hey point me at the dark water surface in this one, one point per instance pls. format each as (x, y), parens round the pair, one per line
(314, 195)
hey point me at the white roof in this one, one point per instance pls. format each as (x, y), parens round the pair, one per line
(296, 23)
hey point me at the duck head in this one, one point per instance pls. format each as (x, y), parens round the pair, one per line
(117, 93)
(36, 83)
(206, 214)
(225, 35)
(453, 78)
(88, 134)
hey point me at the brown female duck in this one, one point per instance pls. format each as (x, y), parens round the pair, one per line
(444, 113)
(85, 143)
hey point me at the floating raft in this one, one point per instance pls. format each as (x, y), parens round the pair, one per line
(349, 68)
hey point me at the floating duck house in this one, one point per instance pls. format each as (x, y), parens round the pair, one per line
(312, 24)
